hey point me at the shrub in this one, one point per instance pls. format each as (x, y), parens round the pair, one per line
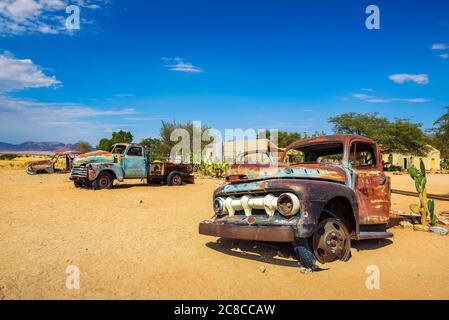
(8, 156)
(214, 169)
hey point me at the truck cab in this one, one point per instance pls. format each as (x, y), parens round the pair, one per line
(324, 193)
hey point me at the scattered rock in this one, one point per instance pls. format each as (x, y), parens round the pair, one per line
(439, 230)
(305, 270)
(406, 225)
(262, 269)
(140, 201)
(420, 227)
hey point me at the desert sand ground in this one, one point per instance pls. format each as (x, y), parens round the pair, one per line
(141, 242)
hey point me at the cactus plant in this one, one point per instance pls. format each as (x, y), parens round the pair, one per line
(433, 216)
(420, 178)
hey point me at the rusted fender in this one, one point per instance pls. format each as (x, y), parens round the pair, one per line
(114, 168)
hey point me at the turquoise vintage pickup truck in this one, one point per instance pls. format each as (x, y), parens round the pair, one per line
(99, 169)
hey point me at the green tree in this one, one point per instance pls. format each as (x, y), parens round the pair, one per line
(400, 136)
(166, 130)
(440, 134)
(117, 137)
(104, 144)
(122, 137)
(83, 146)
(286, 138)
(154, 147)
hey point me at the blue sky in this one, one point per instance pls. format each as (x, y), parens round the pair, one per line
(230, 64)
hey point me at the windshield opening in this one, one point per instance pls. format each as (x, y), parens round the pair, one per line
(119, 149)
(316, 153)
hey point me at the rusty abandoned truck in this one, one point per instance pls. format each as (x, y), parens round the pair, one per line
(99, 169)
(50, 166)
(325, 192)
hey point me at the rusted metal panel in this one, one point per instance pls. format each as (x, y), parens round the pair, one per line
(241, 172)
(373, 190)
(256, 233)
(48, 166)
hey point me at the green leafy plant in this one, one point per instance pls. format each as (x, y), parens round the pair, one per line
(420, 179)
(214, 169)
(433, 216)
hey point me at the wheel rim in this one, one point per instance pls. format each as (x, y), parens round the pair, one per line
(103, 182)
(177, 180)
(331, 241)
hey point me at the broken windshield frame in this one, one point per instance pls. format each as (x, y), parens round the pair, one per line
(119, 149)
(332, 153)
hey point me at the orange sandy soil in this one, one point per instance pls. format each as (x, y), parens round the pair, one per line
(152, 250)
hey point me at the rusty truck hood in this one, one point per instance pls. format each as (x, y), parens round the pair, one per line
(250, 172)
(40, 164)
(94, 157)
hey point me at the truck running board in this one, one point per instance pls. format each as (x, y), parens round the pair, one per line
(366, 235)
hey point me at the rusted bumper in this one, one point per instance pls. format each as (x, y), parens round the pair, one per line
(256, 233)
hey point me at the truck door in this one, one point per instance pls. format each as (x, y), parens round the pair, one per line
(372, 187)
(135, 163)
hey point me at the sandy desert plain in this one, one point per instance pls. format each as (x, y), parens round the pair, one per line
(141, 242)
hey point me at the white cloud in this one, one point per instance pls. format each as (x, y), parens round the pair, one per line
(16, 74)
(24, 118)
(373, 99)
(40, 16)
(439, 46)
(405, 77)
(444, 56)
(144, 119)
(179, 65)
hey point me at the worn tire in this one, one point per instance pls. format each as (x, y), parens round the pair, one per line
(77, 184)
(103, 181)
(331, 241)
(30, 171)
(174, 179)
(304, 253)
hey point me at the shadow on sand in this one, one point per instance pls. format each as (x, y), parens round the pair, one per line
(370, 244)
(281, 254)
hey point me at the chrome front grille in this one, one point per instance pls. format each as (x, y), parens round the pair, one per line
(79, 172)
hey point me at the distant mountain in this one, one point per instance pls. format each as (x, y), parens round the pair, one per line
(37, 146)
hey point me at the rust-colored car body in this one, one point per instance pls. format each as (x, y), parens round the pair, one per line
(359, 195)
(48, 166)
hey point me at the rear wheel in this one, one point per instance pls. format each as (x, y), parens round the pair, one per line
(174, 179)
(103, 181)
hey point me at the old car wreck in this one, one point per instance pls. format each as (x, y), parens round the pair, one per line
(325, 192)
(99, 169)
(50, 166)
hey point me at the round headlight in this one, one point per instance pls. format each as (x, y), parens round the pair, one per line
(288, 204)
(219, 206)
